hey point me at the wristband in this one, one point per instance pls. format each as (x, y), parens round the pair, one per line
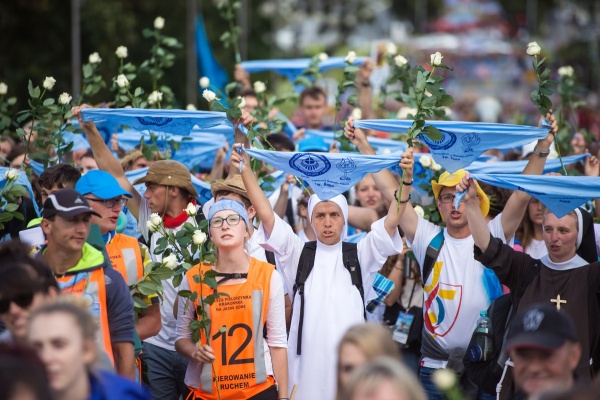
(401, 201)
(540, 153)
(408, 183)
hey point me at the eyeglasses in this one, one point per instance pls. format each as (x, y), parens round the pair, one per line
(110, 203)
(23, 300)
(232, 220)
(447, 198)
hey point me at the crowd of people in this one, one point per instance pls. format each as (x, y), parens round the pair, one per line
(298, 308)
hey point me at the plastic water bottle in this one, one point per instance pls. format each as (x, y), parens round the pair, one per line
(482, 349)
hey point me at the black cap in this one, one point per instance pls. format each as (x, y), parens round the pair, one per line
(66, 203)
(540, 326)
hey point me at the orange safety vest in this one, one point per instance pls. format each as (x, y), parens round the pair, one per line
(126, 257)
(92, 285)
(240, 350)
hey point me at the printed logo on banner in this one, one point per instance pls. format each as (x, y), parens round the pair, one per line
(470, 140)
(346, 166)
(310, 164)
(157, 121)
(447, 141)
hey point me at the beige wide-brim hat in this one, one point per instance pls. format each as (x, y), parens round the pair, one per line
(169, 173)
(235, 184)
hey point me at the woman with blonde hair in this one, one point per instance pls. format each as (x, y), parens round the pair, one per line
(383, 379)
(361, 344)
(64, 335)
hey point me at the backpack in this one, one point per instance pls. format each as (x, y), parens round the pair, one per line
(486, 374)
(305, 266)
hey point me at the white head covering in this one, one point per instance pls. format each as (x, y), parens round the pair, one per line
(340, 201)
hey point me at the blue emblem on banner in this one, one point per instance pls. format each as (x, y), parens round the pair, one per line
(157, 121)
(310, 164)
(470, 140)
(447, 141)
(346, 166)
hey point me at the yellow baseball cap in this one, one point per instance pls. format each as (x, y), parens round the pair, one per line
(452, 179)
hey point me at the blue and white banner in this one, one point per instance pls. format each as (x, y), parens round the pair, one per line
(462, 142)
(178, 122)
(516, 167)
(561, 194)
(21, 180)
(381, 146)
(292, 68)
(193, 150)
(328, 174)
(201, 187)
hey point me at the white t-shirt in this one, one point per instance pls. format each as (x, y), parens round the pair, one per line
(454, 293)
(536, 249)
(166, 337)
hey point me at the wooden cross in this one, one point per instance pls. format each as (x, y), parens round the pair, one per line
(558, 301)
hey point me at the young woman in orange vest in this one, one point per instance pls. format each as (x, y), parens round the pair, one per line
(248, 364)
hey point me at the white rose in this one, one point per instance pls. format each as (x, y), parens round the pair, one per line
(350, 58)
(199, 237)
(204, 82)
(323, 57)
(94, 58)
(170, 261)
(49, 82)
(191, 210)
(122, 81)
(436, 167)
(426, 161)
(64, 98)
(419, 211)
(444, 379)
(566, 71)
(259, 87)
(190, 107)
(121, 52)
(400, 60)
(357, 113)
(436, 59)
(159, 23)
(11, 175)
(3, 88)
(155, 219)
(242, 102)
(151, 227)
(209, 95)
(155, 97)
(391, 49)
(533, 49)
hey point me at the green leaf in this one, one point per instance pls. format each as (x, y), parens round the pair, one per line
(139, 303)
(303, 81)
(177, 280)
(18, 216)
(445, 101)
(88, 70)
(234, 112)
(11, 207)
(432, 133)
(184, 293)
(215, 105)
(210, 282)
(147, 288)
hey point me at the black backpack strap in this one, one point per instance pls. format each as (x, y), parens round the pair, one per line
(350, 260)
(289, 212)
(431, 255)
(270, 257)
(305, 266)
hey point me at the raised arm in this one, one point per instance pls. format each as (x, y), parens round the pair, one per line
(106, 160)
(517, 203)
(397, 208)
(255, 194)
(476, 220)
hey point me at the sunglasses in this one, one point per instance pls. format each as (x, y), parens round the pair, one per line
(23, 300)
(110, 203)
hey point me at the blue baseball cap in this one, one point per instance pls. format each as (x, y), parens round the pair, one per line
(313, 143)
(101, 184)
